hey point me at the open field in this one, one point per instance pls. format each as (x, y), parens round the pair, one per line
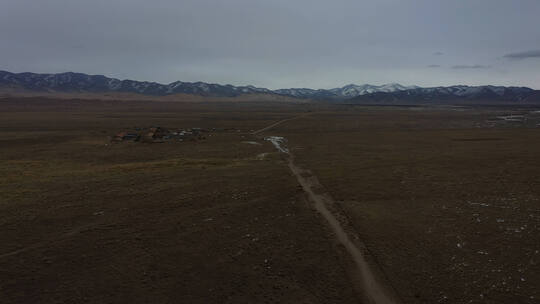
(444, 201)
(449, 207)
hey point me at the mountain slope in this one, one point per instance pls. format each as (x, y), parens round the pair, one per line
(452, 93)
(348, 91)
(388, 93)
(351, 90)
(78, 82)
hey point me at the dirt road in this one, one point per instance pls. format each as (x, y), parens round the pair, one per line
(277, 123)
(371, 287)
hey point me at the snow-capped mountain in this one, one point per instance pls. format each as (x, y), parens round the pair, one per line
(77, 82)
(352, 90)
(306, 93)
(348, 91)
(397, 92)
(442, 94)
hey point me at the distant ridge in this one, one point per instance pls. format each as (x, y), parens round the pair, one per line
(77, 82)
(464, 94)
(390, 93)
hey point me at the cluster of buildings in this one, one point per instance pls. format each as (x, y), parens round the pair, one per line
(159, 135)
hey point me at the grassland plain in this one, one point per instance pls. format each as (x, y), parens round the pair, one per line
(86, 221)
(446, 205)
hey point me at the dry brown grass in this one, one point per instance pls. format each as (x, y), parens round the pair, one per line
(450, 210)
(84, 220)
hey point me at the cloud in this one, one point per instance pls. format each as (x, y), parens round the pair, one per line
(476, 66)
(434, 66)
(272, 43)
(523, 55)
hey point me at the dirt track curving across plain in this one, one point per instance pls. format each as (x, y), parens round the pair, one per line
(370, 286)
(277, 123)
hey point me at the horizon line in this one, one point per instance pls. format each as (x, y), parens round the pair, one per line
(288, 88)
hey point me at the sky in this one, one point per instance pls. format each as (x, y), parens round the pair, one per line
(278, 43)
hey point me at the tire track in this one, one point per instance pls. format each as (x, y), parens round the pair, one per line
(373, 290)
(277, 123)
(45, 243)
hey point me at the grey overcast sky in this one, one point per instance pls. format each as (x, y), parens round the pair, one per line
(278, 43)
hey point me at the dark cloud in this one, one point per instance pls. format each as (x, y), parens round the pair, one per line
(476, 66)
(434, 66)
(278, 43)
(524, 55)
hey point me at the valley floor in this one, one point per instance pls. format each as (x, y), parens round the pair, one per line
(444, 204)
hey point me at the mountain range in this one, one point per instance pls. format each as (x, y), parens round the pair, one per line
(83, 83)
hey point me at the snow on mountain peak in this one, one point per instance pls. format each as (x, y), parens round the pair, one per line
(353, 90)
(77, 82)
